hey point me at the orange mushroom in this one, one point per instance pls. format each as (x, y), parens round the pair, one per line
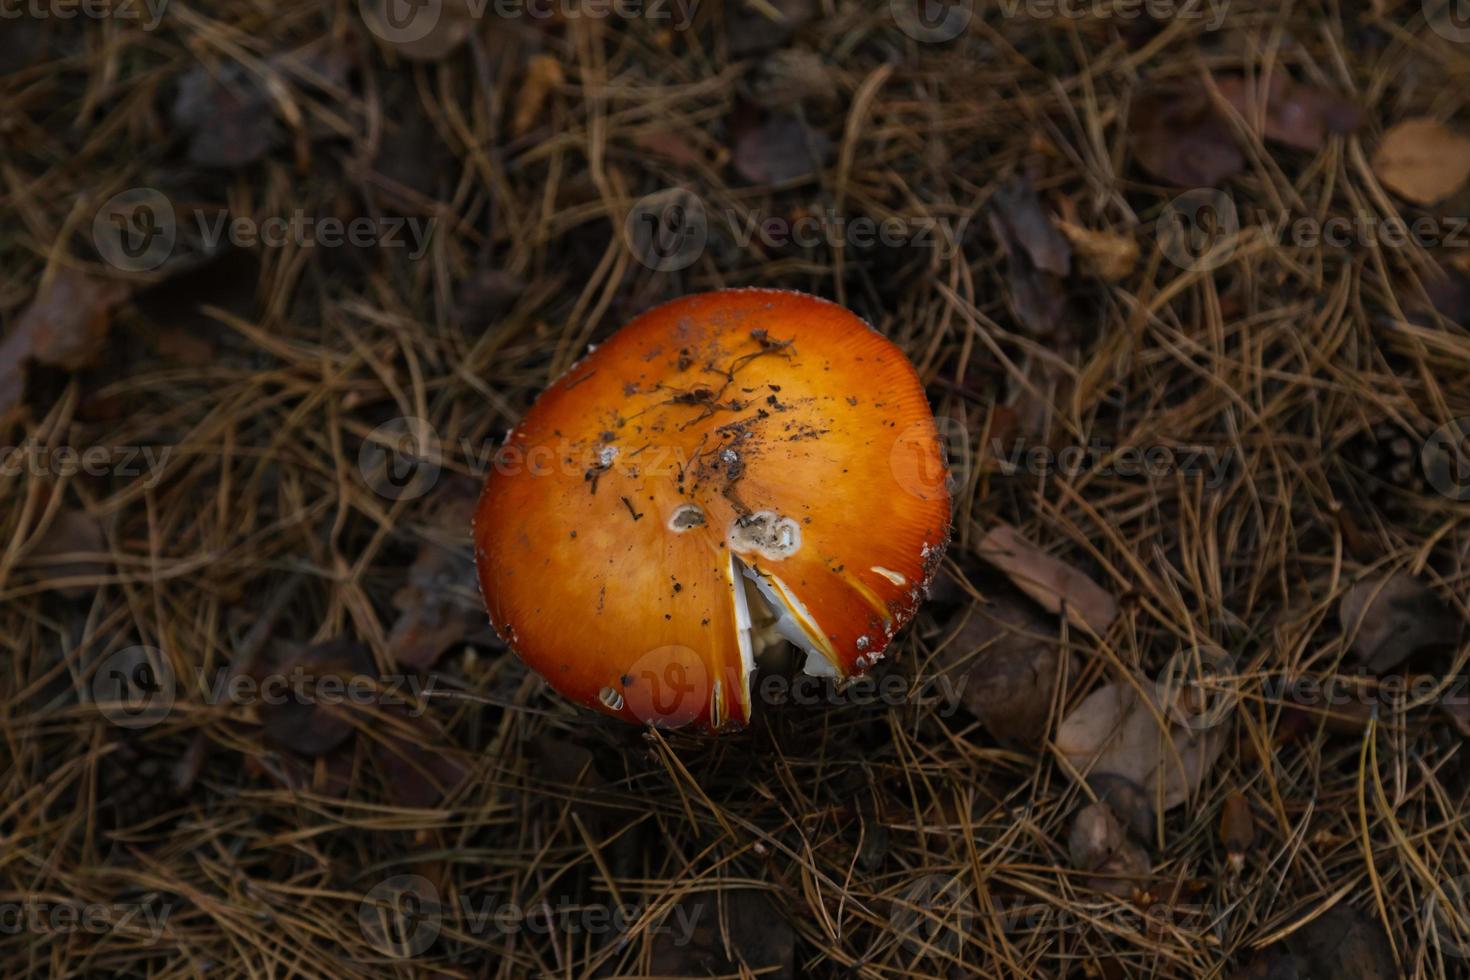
(728, 469)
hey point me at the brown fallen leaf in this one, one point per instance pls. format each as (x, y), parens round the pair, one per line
(1343, 944)
(1012, 683)
(307, 720)
(544, 76)
(1115, 731)
(438, 604)
(1296, 114)
(1388, 618)
(1182, 140)
(60, 551)
(780, 150)
(790, 77)
(670, 144)
(1098, 843)
(1422, 160)
(227, 115)
(1057, 586)
(1128, 800)
(414, 759)
(1237, 830)
(1020, 220)
(65, 326)
(1108, 256)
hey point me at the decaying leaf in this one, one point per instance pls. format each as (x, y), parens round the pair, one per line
(1013, 678)
(1388, 618)
(1098, 843)
(1108, 256)
(1057, 586)
(1114, 730)
(1182, 140)
(782, 149)
(790, 77)
(65, 326)
(1293, 113)
(411, 754)
(311, 719)
(1023, 221)
(670, 144)
(227, 114)
(1129, 801)
(544, 76)
(1422, 160)
(1343, 944)
(438, 604)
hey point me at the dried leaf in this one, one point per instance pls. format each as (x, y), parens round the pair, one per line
(671, 145)
(1013, 679)
(1388, 618)
(1343, 944)
(439, 606)
(1115, 731)
(418, 769)
(791, 77)
(1295, 114)
(1095, 837)
(1024, 222)
(1057, 586)
(1108, 256)
(544, 76)
(65, 326)
(305, 721)
(1181, 139)
(781, 149)
(1128, 800)
(1422, 160)
(227, 115)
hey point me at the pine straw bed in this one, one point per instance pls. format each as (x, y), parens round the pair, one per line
(829, 840)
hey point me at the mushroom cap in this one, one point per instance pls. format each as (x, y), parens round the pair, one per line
(741, 434)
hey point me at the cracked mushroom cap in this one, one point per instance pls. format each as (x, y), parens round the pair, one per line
(728, 469)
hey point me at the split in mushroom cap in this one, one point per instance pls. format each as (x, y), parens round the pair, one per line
(742, 435)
